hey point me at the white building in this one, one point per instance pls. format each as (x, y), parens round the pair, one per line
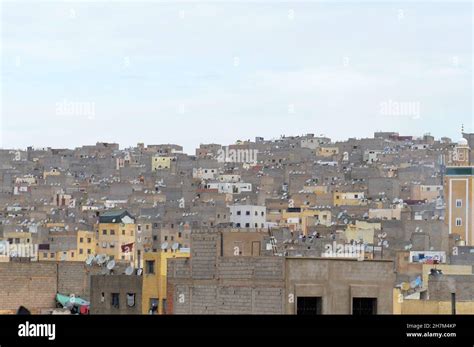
(248, 216)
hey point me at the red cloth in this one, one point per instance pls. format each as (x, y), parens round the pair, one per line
(127, 247)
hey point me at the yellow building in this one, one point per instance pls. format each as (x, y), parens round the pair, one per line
(86, 244)
(349, 198)
(327, 151)
(160, 163)
(154, 278)
(459, 193)
(417, 306)
(52, 172)
(116, 235)
(362, 230)
(302, 218)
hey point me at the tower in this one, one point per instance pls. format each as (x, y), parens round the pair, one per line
(459, 193)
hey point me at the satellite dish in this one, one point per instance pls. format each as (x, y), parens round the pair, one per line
(139, 272)
(129, 270)
(104, 271)
(413, 284)
(164, 245)
(385, 243)
(102, 259)
(89, 260)
(384, 234)
(175, 246)
(111, 264)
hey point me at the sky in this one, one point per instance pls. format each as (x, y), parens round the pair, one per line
(75, 73)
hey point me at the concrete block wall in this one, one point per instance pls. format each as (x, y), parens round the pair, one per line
(32, 285)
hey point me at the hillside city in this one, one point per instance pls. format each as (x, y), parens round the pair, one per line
(293, 225)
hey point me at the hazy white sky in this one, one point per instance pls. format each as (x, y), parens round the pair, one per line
(191, 73)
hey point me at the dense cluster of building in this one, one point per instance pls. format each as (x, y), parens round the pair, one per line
(294, 225)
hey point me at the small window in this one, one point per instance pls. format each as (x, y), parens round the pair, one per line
(112, 232)
(247, 213)
(458, 222)
(81, 251)
(150, 266)
(104, 232)
(239, 213)
(247, 225)
(115, 302)
(81, 240)
(458, 203)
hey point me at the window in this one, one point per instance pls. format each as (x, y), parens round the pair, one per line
(115, 302)
(247, 225)
(81, 251)
(112, 232)
(150, 266)
(89, 251)
(263, 213)
(81, 240)
(180, 234)
(104, 232)
(239, 213)
(256, 213)
(247, 213)
(458, 222)
(458, 203)
(131, 232)
(309, 306)
(364, 306)
(89, 240)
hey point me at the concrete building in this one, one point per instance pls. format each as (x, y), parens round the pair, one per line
(248, 216)
(116, 294)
